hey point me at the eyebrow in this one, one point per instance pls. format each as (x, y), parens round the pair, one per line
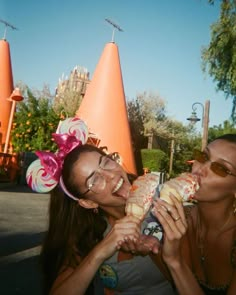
(91, 174)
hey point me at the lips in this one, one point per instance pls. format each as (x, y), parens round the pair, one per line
(121, 189)
(118, 185)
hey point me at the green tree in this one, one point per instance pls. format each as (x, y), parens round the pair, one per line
(147, 115)
(67, 102)
(33, 125)
(226, 127)
(219, 57)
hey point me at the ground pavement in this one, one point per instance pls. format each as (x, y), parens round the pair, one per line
(23, 221)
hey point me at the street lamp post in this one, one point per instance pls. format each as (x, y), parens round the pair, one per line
(15, 97)
(172, 150)
(205, 119)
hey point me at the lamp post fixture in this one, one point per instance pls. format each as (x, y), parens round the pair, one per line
(205, 119)
(14, 98)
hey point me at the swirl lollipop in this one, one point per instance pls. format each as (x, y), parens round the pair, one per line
(44, 173)
(38, 179)
(74, 126)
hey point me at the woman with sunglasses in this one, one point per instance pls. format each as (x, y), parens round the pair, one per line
(83, 251)
(200, 247)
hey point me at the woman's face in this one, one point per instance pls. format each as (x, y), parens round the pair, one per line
(213, 186)
(104, 180)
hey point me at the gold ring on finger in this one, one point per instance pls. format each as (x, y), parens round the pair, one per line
(177, 218)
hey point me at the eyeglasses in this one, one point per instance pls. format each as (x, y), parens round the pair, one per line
(217, 168)
(97, 182)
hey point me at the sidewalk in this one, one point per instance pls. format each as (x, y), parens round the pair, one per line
(23, 222)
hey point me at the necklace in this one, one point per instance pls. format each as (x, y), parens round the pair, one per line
(201, 240)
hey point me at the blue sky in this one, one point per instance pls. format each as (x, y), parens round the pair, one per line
(159, 49)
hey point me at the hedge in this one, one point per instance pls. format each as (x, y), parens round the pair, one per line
(154, 160)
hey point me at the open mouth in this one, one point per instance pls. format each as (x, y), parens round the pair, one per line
(118, 186)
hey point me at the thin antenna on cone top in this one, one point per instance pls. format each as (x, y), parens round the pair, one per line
(6, 26)
(115, 27)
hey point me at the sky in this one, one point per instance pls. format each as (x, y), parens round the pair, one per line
(159, 48)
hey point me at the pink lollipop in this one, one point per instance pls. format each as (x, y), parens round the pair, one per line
(44, 174)
(37, 178)
(74, 126)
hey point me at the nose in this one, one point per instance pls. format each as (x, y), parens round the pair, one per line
(200, 168)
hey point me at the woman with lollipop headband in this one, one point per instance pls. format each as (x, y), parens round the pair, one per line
(84, 248)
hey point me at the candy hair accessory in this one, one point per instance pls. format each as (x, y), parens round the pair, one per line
(45, 173)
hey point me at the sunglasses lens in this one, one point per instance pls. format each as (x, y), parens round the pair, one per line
(199, 156)
(219, 169)
(96, 183)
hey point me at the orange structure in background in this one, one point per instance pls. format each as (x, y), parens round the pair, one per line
(8, 162)
(6, 88)
(104, 110)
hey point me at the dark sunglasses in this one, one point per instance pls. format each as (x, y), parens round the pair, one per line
(216, 167)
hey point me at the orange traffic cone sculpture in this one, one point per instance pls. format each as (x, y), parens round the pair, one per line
(104, 110)
(6, 88)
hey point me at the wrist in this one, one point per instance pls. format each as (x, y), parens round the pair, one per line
(98, 255)
(173, 264)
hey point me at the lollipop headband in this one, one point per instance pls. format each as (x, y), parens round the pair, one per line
(45, 173)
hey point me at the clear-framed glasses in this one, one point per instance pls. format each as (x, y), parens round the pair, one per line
(97, 182)
(218, 168)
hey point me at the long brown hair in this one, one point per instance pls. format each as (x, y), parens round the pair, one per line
(73, 230)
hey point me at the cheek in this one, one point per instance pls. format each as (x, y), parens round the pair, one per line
(215, 188)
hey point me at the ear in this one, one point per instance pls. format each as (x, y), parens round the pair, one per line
(87, 204)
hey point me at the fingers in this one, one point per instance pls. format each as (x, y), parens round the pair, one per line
(126, 230)
(150, 242)
(180, 210)
(172, 217)
(131, 246)
(143, 246)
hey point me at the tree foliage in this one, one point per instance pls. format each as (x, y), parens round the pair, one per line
(33, 125)
(67, 102)
(70, 91)
(154, 160)
(219, 58)
(226, 127)
(147, 116)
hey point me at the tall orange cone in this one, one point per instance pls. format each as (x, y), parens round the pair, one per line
(104, 110)
(6, 88)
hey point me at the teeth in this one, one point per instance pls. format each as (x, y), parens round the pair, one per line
(118, 186)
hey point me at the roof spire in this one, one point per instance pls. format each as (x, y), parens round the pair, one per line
(6, 26)
(115, 27)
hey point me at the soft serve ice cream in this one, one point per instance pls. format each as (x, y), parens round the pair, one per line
(146, 188)
(141, 195)
(182, 187)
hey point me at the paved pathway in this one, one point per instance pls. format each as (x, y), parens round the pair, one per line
(23, 221)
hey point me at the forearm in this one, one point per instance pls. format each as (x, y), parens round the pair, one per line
(77, 281)
(157, 259)
(184, 279)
